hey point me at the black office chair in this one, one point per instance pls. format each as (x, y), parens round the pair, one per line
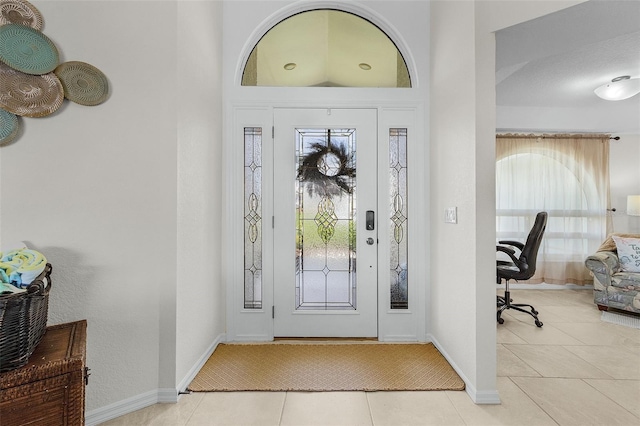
(520, 268)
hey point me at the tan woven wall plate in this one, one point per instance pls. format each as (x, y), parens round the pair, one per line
(83, 83)
(20, 12)
(9, 127)
(29, 95)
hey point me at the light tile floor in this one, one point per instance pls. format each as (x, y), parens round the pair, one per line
(575, 370)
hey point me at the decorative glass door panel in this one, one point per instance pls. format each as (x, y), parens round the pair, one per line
(325, 219)
(398, 237)
(319, 223)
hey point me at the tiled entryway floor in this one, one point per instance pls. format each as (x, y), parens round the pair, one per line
(575, 370)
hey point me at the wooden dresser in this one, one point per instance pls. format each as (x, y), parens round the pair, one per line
(49, 390)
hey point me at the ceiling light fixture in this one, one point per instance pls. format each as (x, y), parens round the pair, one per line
(290, 66)
(620, 88)
(365, 66)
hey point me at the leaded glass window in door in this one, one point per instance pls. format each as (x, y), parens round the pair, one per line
(398, 218)
(253, 218)
(325, 219)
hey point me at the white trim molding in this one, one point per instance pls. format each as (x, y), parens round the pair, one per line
(182, 386)
(478, 397)
(545, 286)
(155, 396)
(126, 406)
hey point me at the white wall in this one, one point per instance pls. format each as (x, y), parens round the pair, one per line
(200, 293)
(452, 311)
(462, 103)
(620, 118)
(122, 196)
(624, 172)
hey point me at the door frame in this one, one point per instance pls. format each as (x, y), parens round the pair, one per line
(397, 107)
(363, 320)
(257, 324)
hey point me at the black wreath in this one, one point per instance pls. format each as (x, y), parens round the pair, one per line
(318, 182)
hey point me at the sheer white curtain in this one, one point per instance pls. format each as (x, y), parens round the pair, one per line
(566, 176)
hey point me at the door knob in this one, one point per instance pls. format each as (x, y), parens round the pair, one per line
(370, 241)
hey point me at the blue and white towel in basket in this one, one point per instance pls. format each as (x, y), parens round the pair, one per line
(19, 267)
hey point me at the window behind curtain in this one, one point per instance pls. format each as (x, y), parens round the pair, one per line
(566, 176)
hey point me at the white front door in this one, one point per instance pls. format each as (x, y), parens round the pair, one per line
(325, 223)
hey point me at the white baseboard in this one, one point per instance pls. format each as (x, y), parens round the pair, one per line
(126, 406)
(545, 286)
(478, 397)
(157, 396)
(167, 395)
(485, 397)
(398, 338)
(252, 338)
(198, 365)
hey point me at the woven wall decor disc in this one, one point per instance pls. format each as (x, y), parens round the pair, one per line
(83, 83)
(29, 95)
(20, 12)
(9, 127)
(27, 49)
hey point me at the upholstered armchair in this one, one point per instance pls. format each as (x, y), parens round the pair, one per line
(613, 287)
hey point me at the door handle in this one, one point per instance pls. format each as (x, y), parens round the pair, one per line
(370, 220)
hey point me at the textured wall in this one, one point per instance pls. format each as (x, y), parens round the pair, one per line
(94, 188)
(200, 292)
(453, 140)
(462, 104)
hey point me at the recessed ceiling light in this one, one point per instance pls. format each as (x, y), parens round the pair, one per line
(290, 66)
(365, 66)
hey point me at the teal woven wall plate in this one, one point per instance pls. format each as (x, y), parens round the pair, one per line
(29, 95)
(83, 83)
(27, 50)
(9, 127)
(20, 12)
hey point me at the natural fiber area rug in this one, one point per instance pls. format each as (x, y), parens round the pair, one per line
(326, 367)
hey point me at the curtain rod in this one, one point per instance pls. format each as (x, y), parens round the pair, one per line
(557, 136)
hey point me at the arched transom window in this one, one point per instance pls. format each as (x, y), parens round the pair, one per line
(326, 48)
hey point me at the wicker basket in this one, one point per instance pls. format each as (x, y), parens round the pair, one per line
(23, 321)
